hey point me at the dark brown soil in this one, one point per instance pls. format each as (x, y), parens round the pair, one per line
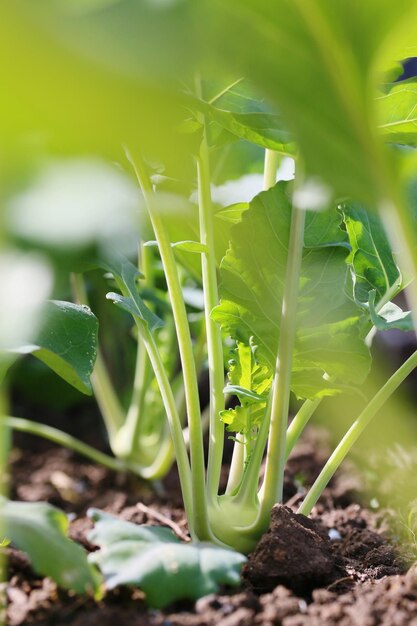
(336, 568)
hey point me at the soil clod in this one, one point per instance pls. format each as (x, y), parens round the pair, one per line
(294, 552)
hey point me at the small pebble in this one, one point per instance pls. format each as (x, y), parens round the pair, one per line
(334, 534)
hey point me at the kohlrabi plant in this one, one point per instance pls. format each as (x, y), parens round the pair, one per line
(289, 280)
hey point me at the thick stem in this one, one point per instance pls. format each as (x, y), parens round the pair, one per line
(275, 460)
(200, 516)
(214, 337)
(104, 392)
(354, 432)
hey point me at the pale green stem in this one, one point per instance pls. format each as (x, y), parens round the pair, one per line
(249, 484)
(248, 489)
(133, 422)
(237, 465)
(107, 400)
(270, 168)
(200, 516)
(67, 441)
(299, 422)
(174, 421)
(162, 463)
(275, 459)
(214, 337)
(354, 433)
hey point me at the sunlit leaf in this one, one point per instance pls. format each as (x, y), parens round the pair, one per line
(252, 278)
(371, 260)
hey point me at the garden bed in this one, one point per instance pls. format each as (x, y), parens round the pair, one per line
(339, 568)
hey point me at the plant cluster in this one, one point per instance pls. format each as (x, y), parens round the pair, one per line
(274, 294)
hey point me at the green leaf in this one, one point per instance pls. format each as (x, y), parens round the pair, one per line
(126, 276)
(165, 569)
(109, 529)
(190, 246)
(243, 115)
(40, 530)
(95, 65)
(232, 213)
(397, 111)
(244, 394)
(316, 60)
(262, 129)
(328, 340)
(371, 261)
(67, 342)
(323, 228)
(389, 316)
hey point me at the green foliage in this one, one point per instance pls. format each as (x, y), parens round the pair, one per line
(126, 276)
(389, 316)
(328, 349)
(242, 115)
(250, 382)
(41, 530)
(67, 342)
(396, 109)
(373, 266)
(95, 75)
(316, 61)
(297, 301)
(153, 559)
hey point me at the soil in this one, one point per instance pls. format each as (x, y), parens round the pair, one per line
(339, 567)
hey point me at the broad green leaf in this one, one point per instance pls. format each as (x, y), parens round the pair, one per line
(66, 342)
(163, 568)
(371, 261)
(126, 276)
(97, 77)
(109, 530)
(328, 338)
(262, 129)
(397, 111)
(243, 115)
(316, 61)
(389, 316)
(323, 228)
(40, 530)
